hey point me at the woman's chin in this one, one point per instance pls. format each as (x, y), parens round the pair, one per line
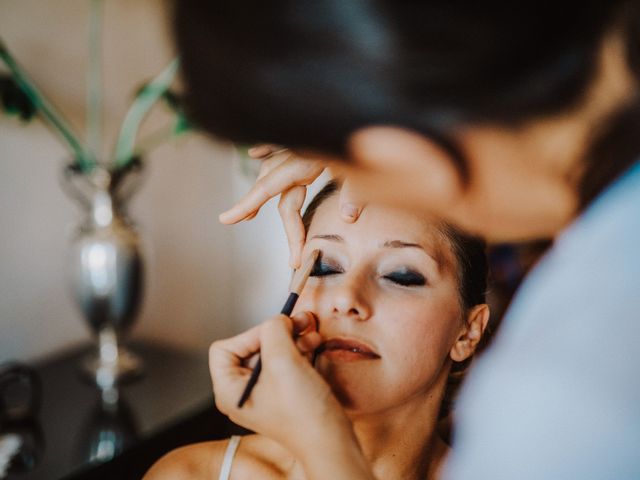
(354, 405)
(354, 392)
(358, 405)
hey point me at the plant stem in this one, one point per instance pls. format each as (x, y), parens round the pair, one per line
(154, 140)
(94, 79)
(54, 118)
(141, 105)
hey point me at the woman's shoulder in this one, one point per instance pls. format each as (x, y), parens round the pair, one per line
(256, 457)
(199, 460)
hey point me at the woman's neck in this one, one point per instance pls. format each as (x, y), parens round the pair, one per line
(400, 442)
(403, 442)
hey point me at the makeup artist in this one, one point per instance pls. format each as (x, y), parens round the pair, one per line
(512, 120)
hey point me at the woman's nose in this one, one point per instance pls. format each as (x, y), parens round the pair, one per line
(350, 299)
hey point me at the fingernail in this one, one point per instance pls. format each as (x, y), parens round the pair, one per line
(349, 210)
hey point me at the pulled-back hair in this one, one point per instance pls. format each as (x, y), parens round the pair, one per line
(307, 73)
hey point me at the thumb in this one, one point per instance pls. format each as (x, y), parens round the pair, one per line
(307, 338)
(289, 207)
(350, 204)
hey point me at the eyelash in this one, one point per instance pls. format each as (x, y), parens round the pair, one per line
(405, 278)
(322, 269)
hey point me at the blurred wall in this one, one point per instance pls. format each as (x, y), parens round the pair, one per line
(205, 281)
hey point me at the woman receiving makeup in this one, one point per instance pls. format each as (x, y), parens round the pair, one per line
(511, 120)
(398, 302)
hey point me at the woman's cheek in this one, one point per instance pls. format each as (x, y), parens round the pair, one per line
(309, 300)
(419, 335)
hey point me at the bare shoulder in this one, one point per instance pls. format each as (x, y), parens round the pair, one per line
(261, 457)
(197, 461)
(256, 457)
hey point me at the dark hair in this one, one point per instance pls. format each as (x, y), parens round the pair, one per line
(307, 74)
(472, 266)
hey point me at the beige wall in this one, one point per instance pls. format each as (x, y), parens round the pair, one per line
(204, 280)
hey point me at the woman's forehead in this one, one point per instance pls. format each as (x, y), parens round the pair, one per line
(378, 224)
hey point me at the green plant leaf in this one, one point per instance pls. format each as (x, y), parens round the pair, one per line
(181, 126)
(49, 113)
(14, 100)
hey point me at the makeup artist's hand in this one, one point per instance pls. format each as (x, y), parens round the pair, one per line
(286, 174)
(286, 374)
(291, 402)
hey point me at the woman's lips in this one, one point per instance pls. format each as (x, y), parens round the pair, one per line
(347, 349)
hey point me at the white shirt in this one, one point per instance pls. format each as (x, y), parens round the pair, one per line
(557, 396)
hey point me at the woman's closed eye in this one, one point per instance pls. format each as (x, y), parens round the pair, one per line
(406, 278)
(322, 269)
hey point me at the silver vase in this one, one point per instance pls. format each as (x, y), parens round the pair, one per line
(106, 269)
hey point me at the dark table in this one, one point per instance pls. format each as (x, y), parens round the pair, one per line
(78, 436)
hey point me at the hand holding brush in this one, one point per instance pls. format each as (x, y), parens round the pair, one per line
(299, 280)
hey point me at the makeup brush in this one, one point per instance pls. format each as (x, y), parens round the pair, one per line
(299, 279)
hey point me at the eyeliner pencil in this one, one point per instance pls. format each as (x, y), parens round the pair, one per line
(299, 280)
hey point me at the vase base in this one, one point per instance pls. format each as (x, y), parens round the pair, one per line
(108, 373)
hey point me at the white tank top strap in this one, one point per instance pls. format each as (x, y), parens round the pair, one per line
(225, 470)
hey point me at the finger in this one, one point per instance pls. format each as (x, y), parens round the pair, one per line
(309, 342)
(226, 356)
(291, 172)
(265, 167)
(276, 339)
(304, 322)
(229, 374)
(289, 207)
(242, 345)
(268, 164)
(264, 150)
(305, 326)
(251, 361)
(350, 205)
(247, 205)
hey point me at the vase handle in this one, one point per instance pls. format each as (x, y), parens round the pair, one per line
(76, 184)
(125, 181)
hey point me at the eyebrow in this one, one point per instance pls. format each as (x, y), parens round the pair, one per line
(331, 238)
(387, 244)
(401, 244)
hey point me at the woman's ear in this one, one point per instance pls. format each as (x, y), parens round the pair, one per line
(394, 154)
(475, 325)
